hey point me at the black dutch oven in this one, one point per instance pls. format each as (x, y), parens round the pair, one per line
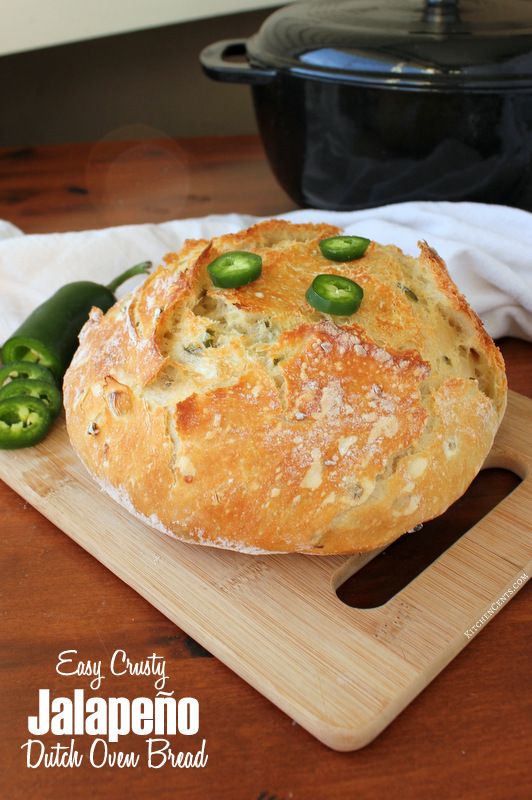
(363, 103)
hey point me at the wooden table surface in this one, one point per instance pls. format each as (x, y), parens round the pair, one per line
(467, 735)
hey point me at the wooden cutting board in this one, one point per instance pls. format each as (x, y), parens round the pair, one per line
(341, 673)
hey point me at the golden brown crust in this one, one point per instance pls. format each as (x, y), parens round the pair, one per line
(245, 419)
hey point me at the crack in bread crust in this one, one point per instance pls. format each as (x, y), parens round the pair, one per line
(244, 419)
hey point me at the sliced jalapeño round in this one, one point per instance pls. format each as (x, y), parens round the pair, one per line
(334, 294)
(236, 268)
(25, 369)
(344, 248)
(24, 421)
(26, 348)
(32, 387)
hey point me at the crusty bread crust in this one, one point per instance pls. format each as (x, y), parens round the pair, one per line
(244, 419)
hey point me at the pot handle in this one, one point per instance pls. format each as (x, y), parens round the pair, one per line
(213, 61)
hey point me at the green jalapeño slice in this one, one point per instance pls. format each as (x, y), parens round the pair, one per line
(344, 248)
(234, 269)
(31, 387)
(23, 421)
(334, 294)
(24, 369)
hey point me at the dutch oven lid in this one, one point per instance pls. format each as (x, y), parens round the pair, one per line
(436, 44)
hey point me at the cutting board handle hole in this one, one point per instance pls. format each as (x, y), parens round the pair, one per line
(389, 572)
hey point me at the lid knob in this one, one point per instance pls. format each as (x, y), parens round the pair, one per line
(441, 13)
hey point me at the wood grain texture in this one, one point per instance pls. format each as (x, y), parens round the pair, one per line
(93, 185)
(467, 735)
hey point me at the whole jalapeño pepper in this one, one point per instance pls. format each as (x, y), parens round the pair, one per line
(49, 336)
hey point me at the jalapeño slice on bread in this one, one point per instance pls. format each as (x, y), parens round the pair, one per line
(234, 269)
(344, 248)
(334, 294)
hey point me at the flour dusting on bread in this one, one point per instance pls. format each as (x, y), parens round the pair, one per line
(245, 419)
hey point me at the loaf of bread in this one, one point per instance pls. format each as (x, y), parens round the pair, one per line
(245, 419)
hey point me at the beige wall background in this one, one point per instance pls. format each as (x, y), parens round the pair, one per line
(29, 24)
(125, 85)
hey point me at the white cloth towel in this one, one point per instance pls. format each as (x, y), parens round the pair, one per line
(487, 248)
